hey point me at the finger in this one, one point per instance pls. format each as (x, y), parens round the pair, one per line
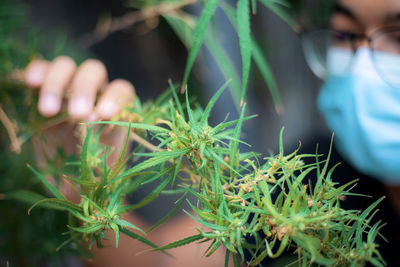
(91, 76)
(35, 73)
(58, 76)
(117, 94)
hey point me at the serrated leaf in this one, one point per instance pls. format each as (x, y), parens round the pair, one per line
(54, 191)
(142, 239)
(170, 214)
(226, 66)
(84, 158)
(150, 197)
(128, 224)
(243, 26)
(115, 228)
(88, 229)
(180, 243)
(210, 105)
(63, 204)
(189, 110)
(24, 196)
(151, 162)
(142, 126)
(272, 5)
(121, 158)
(206, 224)
(198, 36)
(266, 72)
(233, 159)
(177, 102)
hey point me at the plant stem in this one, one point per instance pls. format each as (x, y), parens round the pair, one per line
(11, 130)
(129, 19)
(143, 142)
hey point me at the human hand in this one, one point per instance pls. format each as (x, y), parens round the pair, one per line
(61, 76)
(64, 87)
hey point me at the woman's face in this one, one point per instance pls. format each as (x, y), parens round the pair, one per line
(365, 16)
(360, 99)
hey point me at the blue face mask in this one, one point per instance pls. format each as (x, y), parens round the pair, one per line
(363, 111)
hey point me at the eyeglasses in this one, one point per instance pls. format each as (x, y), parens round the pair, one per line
(332, 52)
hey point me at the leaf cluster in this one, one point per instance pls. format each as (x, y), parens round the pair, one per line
(263, 208)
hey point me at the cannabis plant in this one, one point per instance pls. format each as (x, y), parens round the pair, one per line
(248, 204)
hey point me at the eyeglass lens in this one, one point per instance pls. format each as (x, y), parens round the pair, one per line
(331, 52)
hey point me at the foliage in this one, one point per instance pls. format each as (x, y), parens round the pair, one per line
(247, 206)
(244, 205)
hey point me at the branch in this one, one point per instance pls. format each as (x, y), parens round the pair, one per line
(143, 142)
(11, 130)
(130, 19)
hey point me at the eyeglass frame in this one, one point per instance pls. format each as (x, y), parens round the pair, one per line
(303, 32)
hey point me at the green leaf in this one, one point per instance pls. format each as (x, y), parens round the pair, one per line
(226, 66)
(224, 125)
(243, 25)
(198, 36)
(114, 198)
(142, 239)
(121, 158)
(61, 203)
(189, 110)
(176, 171)
(180, 243)
(170, 214)
(281, 248)
(82, 182)
(182, 28)
(115, 228)
(266, 72)
(206, 224)
(281, 151)
(24, 196)
(220, 160)
(142, 126)
(212, 248)
(84, 159)
(149, 198)
(151, 162)
(54, 191)
(227, 252)
(177, 102)
(233, 159)
(254, 6)
(259, 258)
(94, 204)
(279, 11)
(88, 229)
(210, 105)
(236, 262)
(259, 59)
(124, 223)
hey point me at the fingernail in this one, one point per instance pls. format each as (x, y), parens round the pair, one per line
(49, 104)
(80, 106)
(107, 109)
(92, 117)
(34, 78)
